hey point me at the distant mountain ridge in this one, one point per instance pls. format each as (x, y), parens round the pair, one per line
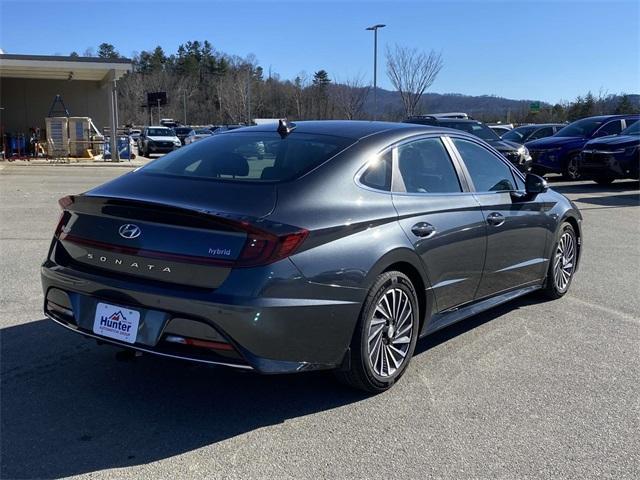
(481, 106)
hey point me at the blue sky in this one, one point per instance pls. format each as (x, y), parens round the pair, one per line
(547, 50)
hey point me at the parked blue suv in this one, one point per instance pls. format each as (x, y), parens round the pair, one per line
(560, 153)
(607, 158)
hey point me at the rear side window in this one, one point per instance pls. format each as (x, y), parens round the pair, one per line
(488, 172)
(541, 133)
(378, 174)
(251, 156)
(425, 167)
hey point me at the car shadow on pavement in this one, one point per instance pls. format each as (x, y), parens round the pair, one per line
(590, 187)
(68, 407)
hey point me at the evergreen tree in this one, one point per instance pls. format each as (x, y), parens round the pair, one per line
(321, 82)
(106, 50)
(625, 105)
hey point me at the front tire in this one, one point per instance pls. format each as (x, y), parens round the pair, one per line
(385, 337)
(571, 170)
(563, 263)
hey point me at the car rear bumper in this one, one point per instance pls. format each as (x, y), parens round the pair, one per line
(265, 334)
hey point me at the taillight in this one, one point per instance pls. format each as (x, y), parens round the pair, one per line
(65, 202)
(263, 247)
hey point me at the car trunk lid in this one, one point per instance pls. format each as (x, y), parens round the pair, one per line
(168, 230)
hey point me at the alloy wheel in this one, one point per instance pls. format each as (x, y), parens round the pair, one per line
(564, 261)
(390, 332)
(573, 169)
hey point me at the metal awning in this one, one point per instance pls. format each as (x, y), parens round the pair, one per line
(63, 68)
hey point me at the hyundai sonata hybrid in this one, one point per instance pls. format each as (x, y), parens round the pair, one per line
(316, 245)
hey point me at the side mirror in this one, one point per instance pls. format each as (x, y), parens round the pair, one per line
(534, 184)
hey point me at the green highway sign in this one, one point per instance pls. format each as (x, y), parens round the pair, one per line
(534, 107)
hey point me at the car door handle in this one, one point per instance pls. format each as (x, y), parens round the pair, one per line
(496, 219)
(423, 229)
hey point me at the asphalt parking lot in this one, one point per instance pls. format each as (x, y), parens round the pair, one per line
(532, 389)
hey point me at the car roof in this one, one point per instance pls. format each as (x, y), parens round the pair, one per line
(445, 119)
(356, 129)
(537, 125)
(609, 117)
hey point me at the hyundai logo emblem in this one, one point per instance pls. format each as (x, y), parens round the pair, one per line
(129, 231)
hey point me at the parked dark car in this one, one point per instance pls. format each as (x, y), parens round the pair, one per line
(516, 153)
(608, 158)
(500, 128)
(182, 132)
(527, 133)
(157, 140)
(335, 252)
(560, 152)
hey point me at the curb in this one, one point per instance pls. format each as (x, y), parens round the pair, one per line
(23, 164)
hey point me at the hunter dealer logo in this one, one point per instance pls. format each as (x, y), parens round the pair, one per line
(116, 321)
(129, 231)
(131, 265)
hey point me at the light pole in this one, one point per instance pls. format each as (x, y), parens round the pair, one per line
(375, 66)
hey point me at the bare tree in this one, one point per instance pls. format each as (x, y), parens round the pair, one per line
(411, 72)
(235, 89)
(349, 96)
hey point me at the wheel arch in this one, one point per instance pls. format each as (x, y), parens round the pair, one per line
(407, 261)
(575, 221)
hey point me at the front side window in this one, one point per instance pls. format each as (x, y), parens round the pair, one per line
(581, 128)
(425, 167)
(487, 171)
(250, 156)
(611, 128)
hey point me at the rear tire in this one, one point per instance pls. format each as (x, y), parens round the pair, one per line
(385, 337)
(562, 264)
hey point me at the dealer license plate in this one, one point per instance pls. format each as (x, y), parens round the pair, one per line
(116, 322)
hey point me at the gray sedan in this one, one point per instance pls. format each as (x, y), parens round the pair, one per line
(198, 134)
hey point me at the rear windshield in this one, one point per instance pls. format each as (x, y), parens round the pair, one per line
(518, 134)
(250, 156)
(475, 128)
